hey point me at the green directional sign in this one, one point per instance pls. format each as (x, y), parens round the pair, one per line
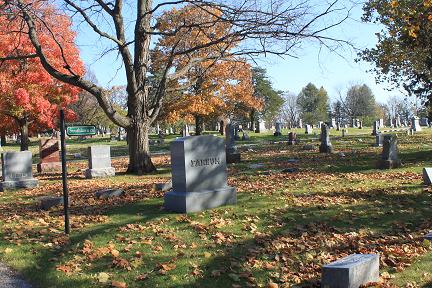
(83, 130)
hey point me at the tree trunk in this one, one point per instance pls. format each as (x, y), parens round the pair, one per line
(199, 125)
(23, 124)
(139, 149)
(3, 140)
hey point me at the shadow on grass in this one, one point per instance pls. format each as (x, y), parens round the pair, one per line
(371, 210)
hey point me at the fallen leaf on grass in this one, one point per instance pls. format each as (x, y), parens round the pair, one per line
(118, 284)
(103, 277)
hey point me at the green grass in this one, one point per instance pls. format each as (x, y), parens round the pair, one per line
(283, 229)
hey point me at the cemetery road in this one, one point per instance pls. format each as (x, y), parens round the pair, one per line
(9, 279)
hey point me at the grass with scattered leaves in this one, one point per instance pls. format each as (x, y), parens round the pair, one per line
(283, 229)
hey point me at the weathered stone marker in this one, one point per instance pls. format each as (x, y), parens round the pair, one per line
(379, 140)
(245, 136)
(278, 129)
(99, 162)
(427, 176)
(17, 170)
(292, 138)
(351, 272)
(49, 153)
(375, 128)
(199, 175)
(47, 202)
(232, 154)
(389, 157)
(326, 146)
(415, 124)
(308, 129)
(109, 193)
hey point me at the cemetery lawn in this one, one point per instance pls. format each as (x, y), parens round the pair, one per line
(283, 229)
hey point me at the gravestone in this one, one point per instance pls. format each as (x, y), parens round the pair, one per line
(278, 129)
(353, 123)
(352, 271)
(375, 128)
(185, 131)
(415, 125)
(344, 132)
(424, 121)
(379, 140)
(163, 186)
(292, 138)
(427, 176)
(236, 133)
(381, 123)
(389, 157)
(245, 136)
(326, 146)
(99, 162)
(17, 171)
(308, 129)
(428, 236)
(199, 175)
(360, 124)
(109, 193)
(410, 132)
(333, 123)
(232, 154)
(300, 123)
(49, 153)
(47, 202)
(338, 126)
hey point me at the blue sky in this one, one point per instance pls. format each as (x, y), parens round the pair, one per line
(323, 68)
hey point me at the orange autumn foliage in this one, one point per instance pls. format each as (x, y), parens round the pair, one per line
(214, 85)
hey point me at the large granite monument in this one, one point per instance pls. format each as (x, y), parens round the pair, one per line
(99, 161)
(17, 170)
(199, 175)
(389, 157)
(49, 153)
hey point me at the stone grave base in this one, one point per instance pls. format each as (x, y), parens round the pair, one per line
(352, 271)
(47, 202)
(109, 193)
(325, 149)
(99, 173)
(198, 201)
(27, 183)
(233, 158)
(388, 164)
(49, 167)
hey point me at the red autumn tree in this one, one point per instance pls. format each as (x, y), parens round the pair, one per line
(29, 96)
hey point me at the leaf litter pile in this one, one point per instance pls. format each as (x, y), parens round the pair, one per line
(285, 227)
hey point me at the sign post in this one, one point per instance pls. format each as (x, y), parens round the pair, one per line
(64, 172)
(83, 130)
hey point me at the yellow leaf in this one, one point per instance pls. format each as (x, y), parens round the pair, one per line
(8, 250)
(115, 253)
(103, 277)
(207, 254)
